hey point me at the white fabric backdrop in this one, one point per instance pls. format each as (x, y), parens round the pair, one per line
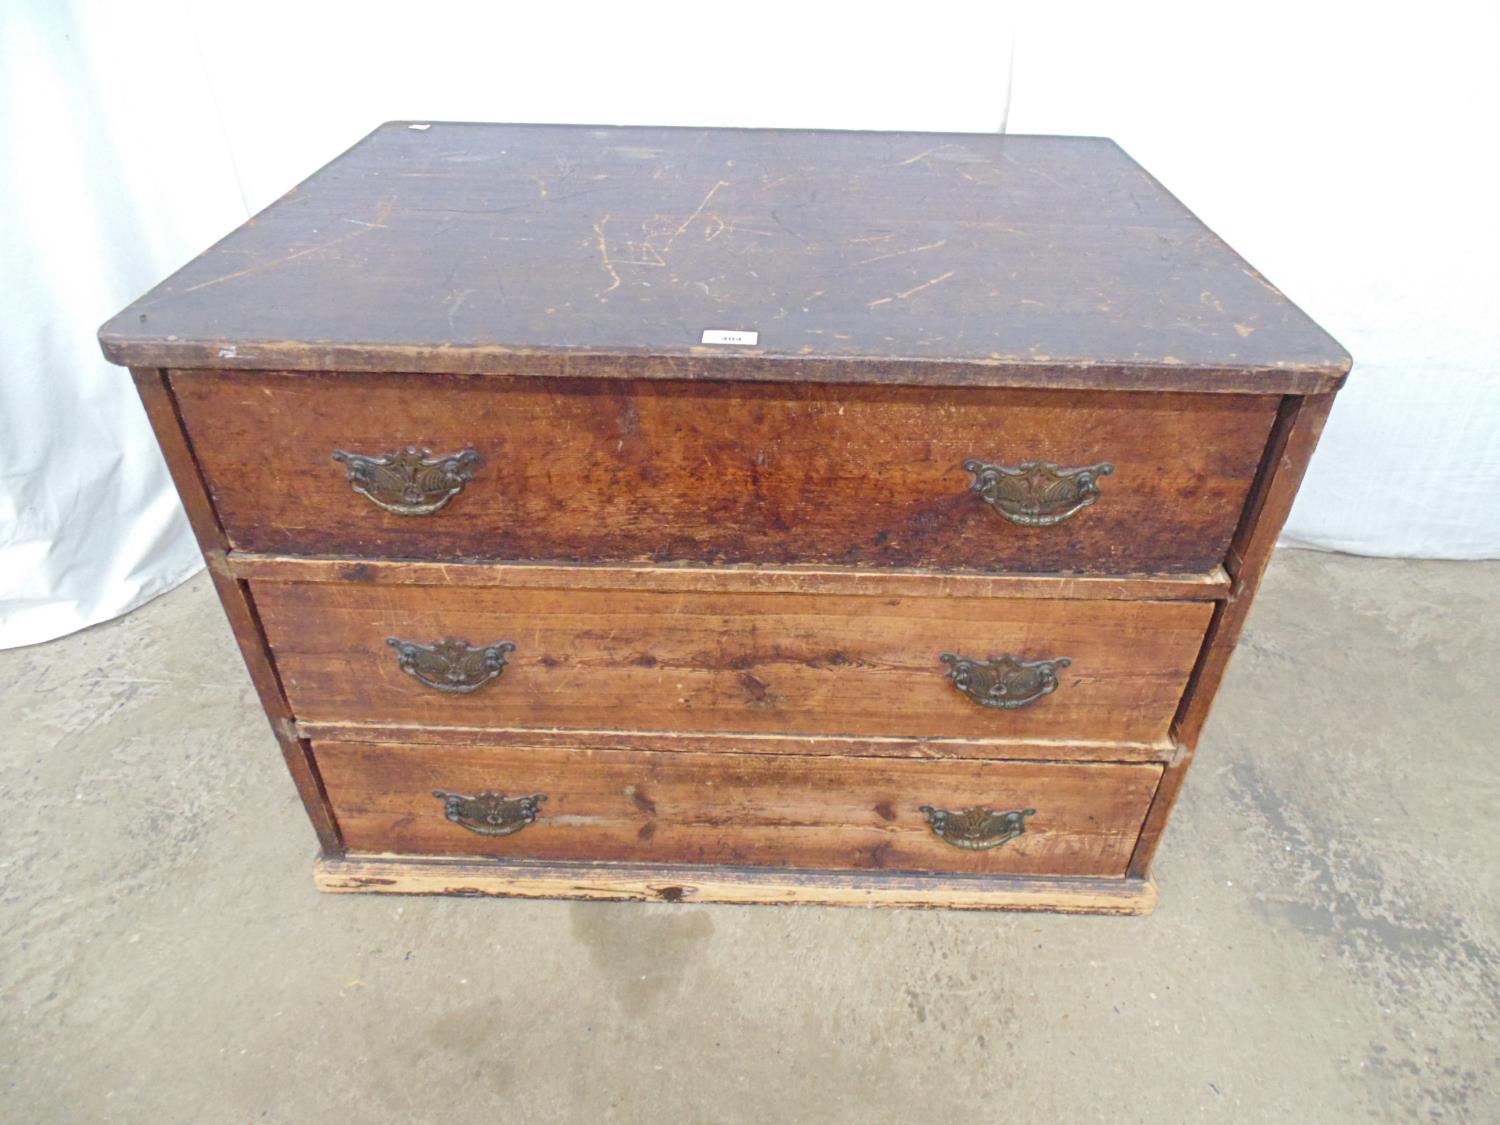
(132, 135)
(109, 177)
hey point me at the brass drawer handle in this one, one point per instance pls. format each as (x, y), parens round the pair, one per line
(452, 666)
(1004, 682)
(1037, 493)
(409, 482)
(490, 814)
(976, 829)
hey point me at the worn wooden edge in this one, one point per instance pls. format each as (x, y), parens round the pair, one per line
(709, 363)
(841, 746)
(364, 873)
(727, 579)
(1294, 437)
(234, 595)
(1159, 812)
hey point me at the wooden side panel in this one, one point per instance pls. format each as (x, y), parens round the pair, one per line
(235, 597)
(1290, 450)
(745, 809)
(621, 882)
(1298, 427)
(773, 663)
(599, 470)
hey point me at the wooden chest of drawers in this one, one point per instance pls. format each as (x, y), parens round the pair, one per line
(725, 515)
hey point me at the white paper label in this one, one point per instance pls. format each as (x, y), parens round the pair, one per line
(725, 336)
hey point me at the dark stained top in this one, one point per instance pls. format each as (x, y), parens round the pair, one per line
(882, 257)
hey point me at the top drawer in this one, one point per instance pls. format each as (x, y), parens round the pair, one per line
(614, 470)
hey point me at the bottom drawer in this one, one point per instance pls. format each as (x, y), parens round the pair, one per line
(740, 809)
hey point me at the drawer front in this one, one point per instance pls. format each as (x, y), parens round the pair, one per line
(749, 662)
(739, 809)
(610, 470)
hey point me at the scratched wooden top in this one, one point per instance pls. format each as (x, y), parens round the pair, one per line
(869, 257)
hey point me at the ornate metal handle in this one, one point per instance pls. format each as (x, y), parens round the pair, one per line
(1004, 682)
(490, 814)
(452, 666)
(977, 829)
(1037, 493)
(409, 482)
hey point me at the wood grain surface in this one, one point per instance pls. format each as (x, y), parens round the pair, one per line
(1287, 458)
(774, 663)
(731, 578)
(234, 595)
(681, 883)
(726, 809)
(598, 471)
(741, 742)
(1293, 441)
(875, 256)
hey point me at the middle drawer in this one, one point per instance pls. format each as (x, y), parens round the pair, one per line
(783, 663)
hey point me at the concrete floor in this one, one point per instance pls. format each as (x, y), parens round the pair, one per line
(1327, 947)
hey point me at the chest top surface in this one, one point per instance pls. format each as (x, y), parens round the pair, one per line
(880, 257)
